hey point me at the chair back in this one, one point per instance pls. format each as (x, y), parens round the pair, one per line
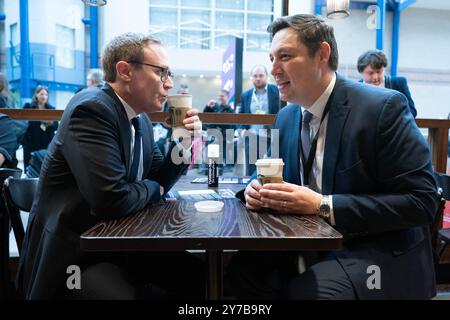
(443, 182)
(18, 194)
(4, 232)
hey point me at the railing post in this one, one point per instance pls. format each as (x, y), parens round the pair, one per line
(438, 141)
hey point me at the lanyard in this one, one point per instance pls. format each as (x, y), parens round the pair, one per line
(312, 152)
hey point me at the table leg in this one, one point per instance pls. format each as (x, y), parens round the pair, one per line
(214, 290)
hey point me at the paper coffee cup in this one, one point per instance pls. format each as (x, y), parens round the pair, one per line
(269, 170)
(179, 105)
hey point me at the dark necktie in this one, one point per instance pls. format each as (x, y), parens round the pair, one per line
(306, 139)
(137, 148)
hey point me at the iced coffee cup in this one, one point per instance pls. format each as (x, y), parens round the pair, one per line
(179, 105)
(269, 170)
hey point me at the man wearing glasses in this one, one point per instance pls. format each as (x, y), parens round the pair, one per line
(103, 164)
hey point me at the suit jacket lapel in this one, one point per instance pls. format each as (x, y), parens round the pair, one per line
(292, 169)
(147, 142)
(336, 121)
(124, 126)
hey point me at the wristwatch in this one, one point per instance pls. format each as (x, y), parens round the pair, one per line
(325, 208)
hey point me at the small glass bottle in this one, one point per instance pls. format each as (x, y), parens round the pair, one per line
(213, 165)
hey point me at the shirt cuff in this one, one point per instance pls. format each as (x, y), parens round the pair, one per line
(332, 221)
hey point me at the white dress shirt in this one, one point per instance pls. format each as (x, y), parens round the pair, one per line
(317, 109)
(132, 114)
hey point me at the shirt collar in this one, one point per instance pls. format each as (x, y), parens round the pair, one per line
(128, 109)
(265, 89)
(319, 105)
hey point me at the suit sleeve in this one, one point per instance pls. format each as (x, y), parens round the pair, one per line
(92, 149)
(163, 170)
(8, 141)
(406, 194)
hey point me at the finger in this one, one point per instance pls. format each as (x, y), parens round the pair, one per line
(287, 187)
(192, 112)
(253, 202)
(253, 206)
(279, 205)
(256, 185)
(253, 193)
(276, 195)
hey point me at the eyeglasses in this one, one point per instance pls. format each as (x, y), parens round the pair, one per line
(164, 72)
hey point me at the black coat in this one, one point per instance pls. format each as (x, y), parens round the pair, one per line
(36, 138)
(8, 141)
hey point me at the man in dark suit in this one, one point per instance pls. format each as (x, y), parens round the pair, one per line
(104, 164)
(372, 64)
(367, 172)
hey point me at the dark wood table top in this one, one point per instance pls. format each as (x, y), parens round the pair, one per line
(177, 225)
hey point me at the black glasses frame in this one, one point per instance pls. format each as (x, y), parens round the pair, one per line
(164, 72)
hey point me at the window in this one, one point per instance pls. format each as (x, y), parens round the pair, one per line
(231, 4)
(65, 47)
(209, 24)
(258, 22)
(163, 17)
(260, 5)
(229, 20)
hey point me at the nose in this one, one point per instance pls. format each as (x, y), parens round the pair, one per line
(276, 70)
(168, 84)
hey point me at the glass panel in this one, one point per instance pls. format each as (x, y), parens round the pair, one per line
(258, 22)
(231, 4)
(65, 49)
(168, 37)
(195, 19)
(223, 41)
(196, 3)
(194, 39)
(228, 20)
(258, 42)
(163, 17)
(260, 5)
(164, 2)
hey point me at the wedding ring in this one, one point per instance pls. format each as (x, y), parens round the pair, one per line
(283, 204)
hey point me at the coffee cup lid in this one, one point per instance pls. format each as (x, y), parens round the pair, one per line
(268, 161)
(209, 206)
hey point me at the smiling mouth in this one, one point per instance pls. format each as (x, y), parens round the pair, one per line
(282, 84)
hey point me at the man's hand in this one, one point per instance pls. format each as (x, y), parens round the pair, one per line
(2, 159)
(290, 198)
(192, 122)
(252, 197)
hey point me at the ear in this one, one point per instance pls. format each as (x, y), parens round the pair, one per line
(124, 71)
(324, 52)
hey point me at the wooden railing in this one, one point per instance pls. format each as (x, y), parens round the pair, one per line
(438, 130)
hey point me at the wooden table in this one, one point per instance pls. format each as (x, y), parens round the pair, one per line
(178, 226)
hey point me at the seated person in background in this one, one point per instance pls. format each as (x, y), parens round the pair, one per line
(369, 175)
(372, 64)
(8, 142)
(39, 133)
(95, 78)
(103, 164)
(6, 100)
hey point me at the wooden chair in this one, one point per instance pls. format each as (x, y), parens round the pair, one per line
(4, 232)
(18, 195)
(443, 235)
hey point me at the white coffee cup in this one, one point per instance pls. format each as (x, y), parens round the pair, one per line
(269, 170)
(179, 105)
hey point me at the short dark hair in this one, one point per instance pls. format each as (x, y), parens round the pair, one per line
(312, 31)
(126, 47)
(374, 58)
